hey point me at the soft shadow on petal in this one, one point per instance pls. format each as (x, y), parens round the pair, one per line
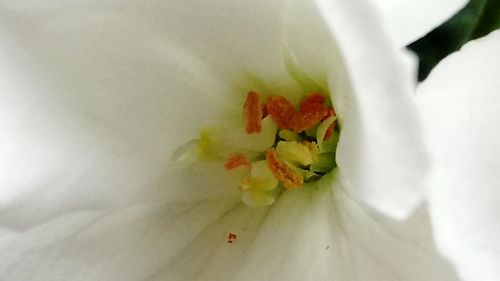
(380, 150)
(105, 75)
(461, 105)
(134, 243)
(323, 234)
(408, 20)
(315, 53)
(88, 125)
(316, 233)
(97, 95)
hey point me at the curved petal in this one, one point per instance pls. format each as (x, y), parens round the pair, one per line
(461, 105)
(111, 86)
(117, 105)
(85, 125)
(380, 150)
(248, 32)
(323, 234)
(316, 233)
(408, 20)
(97, 94)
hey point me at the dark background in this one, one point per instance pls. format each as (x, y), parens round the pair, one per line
(475, 20)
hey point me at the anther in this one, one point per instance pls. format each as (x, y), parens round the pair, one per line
(253, 113)
(237, 160)
(282, 172)
(281, 111)
(312, 111)
(329, 132)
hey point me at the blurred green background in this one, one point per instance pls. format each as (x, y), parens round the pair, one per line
(475, 20)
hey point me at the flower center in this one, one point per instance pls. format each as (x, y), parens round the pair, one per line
(281, 146)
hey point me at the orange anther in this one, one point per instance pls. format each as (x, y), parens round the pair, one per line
(329, 131)
(312, 102)
(281, 110)
(265, 112)
(312, 111)
(236, 160)
(331, 112)
(253, 113)
(286, 175)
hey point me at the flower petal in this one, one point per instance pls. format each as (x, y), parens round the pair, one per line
(96, 95)
(134, 243)
(461, 104)
(84, 124)
(408, 20)
(323, 234)
(315, 233)
(380, 150)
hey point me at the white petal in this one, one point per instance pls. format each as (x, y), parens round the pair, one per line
(315, 233)
(84, 124)
(461, 102)
(380, 150)
(134, 243)
(408, 20)
(104, 101)
(115, 108)
(322, 234)
(97, 94)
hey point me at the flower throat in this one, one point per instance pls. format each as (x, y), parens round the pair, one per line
(301, 149)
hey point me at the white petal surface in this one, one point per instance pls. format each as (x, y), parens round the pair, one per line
(461, 102)
(408, 20)
(309, 235)
(97, 94)
(113, 108)
(112, 87)
(380, 150)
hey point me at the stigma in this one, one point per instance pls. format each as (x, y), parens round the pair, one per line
(278, 147)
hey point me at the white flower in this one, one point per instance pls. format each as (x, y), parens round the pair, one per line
(461, 103)
(97, 95)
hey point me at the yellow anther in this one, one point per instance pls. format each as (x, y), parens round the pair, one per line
(298, 153)
(313, 150)
(256, 187)
(255, 184)
(282, 171)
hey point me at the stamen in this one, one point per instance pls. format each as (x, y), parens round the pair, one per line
(329, 131)
(312, 102)
(297, 153)
(282, 172)
(312, 111)
(265, 112)
(281, 111)
(237, 160)
(293, 140)
(323, 130)
(313, 150)
(253, 113)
